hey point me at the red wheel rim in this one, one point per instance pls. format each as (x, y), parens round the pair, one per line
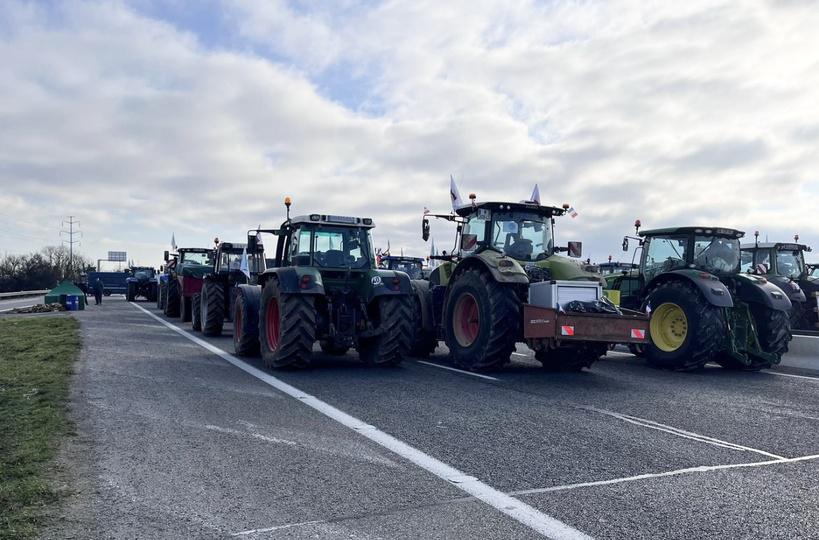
(466, 321)
(237, 322)
(272, 322)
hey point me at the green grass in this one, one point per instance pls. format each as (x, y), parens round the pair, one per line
(36, 362)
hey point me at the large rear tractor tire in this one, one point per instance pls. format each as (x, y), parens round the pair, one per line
(481, 321)
(213, 308)
(246, 322)
(686, 331)
(196, 312)
(172, 299)
(571, 358)
(393, 321)
(130, 292)
(287, 327)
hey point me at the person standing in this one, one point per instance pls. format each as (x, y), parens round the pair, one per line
(99, 289)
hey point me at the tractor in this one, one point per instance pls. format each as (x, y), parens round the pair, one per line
(236, 265)
(505, 283)
(141, 282)
(702, 308)
(324, 286)
(162, 282)
(412, 266)
(185, 277)
(783, 263)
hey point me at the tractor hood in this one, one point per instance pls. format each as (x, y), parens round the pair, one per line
(564, 268)
(194, 270)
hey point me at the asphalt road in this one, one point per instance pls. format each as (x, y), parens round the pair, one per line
(11, 303)
(177, 441)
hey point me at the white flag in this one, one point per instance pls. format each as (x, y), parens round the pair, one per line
(453, 193)
(536, 194)
(243, 266)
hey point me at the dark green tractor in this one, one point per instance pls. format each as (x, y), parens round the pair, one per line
(702, 308)
(325, 287)
(237, 265)
(141, 281)
(783, 263)
(506, 283)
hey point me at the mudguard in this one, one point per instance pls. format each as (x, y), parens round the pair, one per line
(791, 289)
(383, 283)
(758, 290)
(712, 289)
(295, 279)
(503, 269)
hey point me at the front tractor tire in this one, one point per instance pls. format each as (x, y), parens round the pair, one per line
(172, 298)
(162, 292)
(246, 323)
(287, 327)
(130, 292)
(481, 321)
(773, 329)
(686, 331)
(213, 308)
(393, 322)
(196, 315)
(185, 312)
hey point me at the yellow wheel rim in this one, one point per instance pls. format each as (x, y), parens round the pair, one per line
(668, 327)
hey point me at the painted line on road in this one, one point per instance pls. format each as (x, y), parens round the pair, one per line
(433, 364)
(703, 468)
(680, 432)
(790, 375)
(803, 336)
(516, 509)
(277, 528)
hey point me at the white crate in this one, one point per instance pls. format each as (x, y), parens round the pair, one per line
(550, 294)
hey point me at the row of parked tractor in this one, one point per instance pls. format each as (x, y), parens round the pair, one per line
(695, 296)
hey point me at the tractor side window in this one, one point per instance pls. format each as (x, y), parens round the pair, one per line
(716, 253)
(762, 261)
(341, 248)
(664, 254)
(300, 248)
(474, 233)
(746, 262)
(789, 263)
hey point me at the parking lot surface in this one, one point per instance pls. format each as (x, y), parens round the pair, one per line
(179, 439)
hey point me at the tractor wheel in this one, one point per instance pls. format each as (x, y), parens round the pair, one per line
(213, 308)
(172, 298)
(185, 308)
(799, 318)
(130, 293)
(773, 330)
(328, 348)
(196, 315)
(481, 321)
(246, 323)
(152, 292)
(160, 297)
(287, 327)
(424, 340)
(571, 358)
(686, 331)
(393, 321)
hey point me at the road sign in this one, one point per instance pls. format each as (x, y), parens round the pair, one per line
(117, 256)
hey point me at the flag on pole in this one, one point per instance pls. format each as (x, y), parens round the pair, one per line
(173, 241)
(259, 235)
(536, 194)
(243, 266)
(432, 252)
(572, 212)
(453, 193)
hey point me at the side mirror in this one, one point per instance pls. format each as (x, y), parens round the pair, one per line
(167, 256)
(425, 229)
(625, 244)
(161, 269)
(252, 244)
(575, 249)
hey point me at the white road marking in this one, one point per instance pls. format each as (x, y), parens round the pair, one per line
(791, 375)
(800, 336)
(516, 509)
(681, 433)
(521, 354)
(618, 353)
(277, 528)
(704, 468)
(433, 364)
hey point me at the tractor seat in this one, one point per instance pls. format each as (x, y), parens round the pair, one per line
(334, 257)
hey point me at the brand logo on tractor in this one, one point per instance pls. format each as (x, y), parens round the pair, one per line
(376, 280)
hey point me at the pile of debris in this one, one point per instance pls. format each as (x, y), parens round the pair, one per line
(40, 308)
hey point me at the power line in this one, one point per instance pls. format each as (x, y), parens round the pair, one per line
(71, 222)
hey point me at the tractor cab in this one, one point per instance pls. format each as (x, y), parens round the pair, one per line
(229, 261)
(326, 242)
(195, 256)
(412, 266)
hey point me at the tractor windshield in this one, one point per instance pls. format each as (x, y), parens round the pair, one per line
(412, 268)
(522, 236)
(789, 263)
(341, 247)
(194, 257)
(717, 254)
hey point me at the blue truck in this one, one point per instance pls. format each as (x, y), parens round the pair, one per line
(113, 282)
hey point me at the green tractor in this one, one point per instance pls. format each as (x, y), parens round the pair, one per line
(702, 308)
(505, 283)
(324, 286)
(236, 265)
(783, 263)
(412, 266)
(186, 272)
(141, 281)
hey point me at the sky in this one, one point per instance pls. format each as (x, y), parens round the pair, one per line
(146, 119)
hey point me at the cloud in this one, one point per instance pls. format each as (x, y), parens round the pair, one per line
(145, 124)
